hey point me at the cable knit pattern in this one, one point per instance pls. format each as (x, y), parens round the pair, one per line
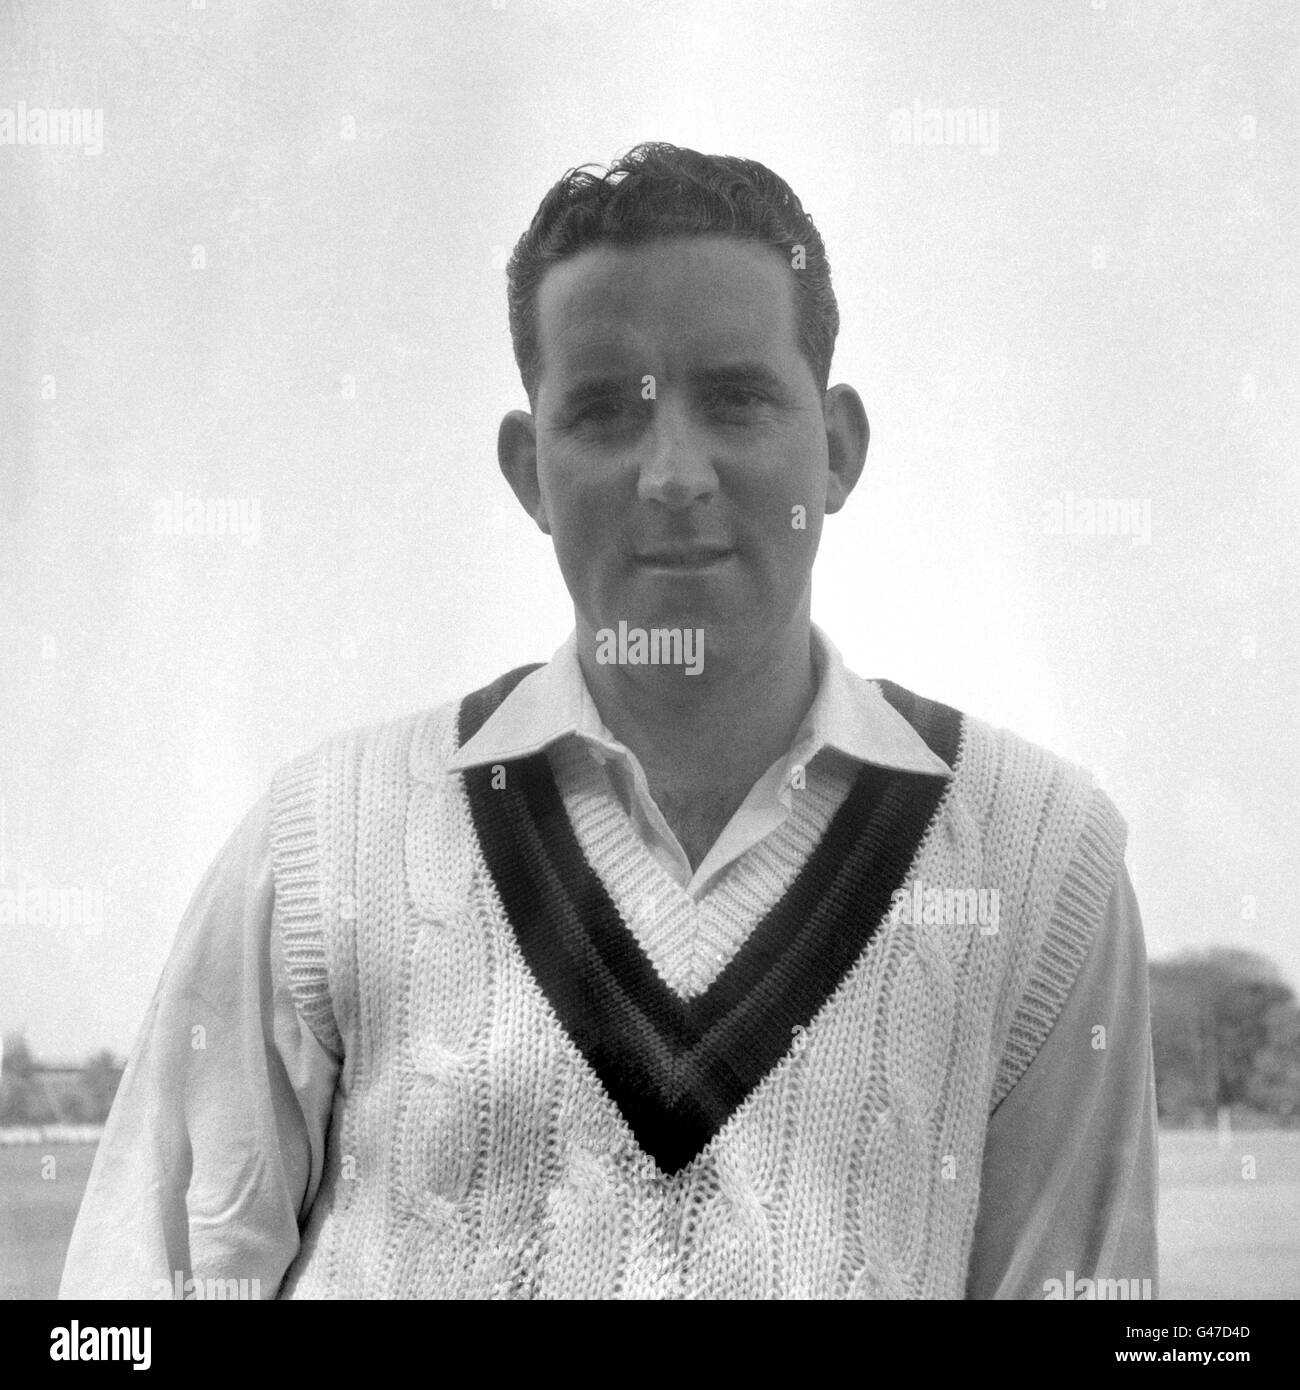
(475, 1153)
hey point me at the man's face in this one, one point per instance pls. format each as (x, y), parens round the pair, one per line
(681, 447)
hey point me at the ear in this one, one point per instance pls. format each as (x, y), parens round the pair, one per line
(517, 456)
(847, 436)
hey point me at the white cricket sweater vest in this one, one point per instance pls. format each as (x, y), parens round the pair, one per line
(473, 1151)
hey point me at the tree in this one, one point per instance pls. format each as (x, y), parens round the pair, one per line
(22, 1098)
(18, 1060)
(15, 1076)
(34, 1095)
(1274, 1084)
(1210, 1023)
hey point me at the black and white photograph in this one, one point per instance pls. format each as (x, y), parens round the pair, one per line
(649, 653)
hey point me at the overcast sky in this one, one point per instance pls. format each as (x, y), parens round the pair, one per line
(279, 282)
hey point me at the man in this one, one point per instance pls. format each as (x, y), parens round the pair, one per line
(690, 964)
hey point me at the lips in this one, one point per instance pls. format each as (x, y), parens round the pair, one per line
(684, 556)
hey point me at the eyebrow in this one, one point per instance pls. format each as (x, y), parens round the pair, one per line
(594, 388)
(745, 374)
(599, 387)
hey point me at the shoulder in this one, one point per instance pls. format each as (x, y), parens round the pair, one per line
(1022, 793)
(416, 745)
(403, 746)
(995, 770)
(348, 787)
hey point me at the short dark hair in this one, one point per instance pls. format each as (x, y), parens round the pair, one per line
(658, 190)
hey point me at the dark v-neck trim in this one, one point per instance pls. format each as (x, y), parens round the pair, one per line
(679, 1069)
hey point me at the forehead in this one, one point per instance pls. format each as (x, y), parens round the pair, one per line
(669, 303)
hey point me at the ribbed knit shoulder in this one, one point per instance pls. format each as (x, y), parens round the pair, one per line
(1046, 825)
(314, 847)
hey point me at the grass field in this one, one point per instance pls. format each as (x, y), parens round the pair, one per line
(36, 1214)
(1222, 1235)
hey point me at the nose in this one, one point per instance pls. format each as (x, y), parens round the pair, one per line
(676, 469)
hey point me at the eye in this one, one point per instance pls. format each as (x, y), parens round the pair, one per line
(610, 412)
(734, 393)
(604, 410)
(736, 399)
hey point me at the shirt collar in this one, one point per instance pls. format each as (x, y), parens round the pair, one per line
(849, 714)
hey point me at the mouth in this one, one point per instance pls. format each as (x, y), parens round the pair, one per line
(683, 559)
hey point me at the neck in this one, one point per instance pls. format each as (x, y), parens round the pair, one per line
(720, 729)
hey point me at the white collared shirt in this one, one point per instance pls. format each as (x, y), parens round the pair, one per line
(849, 717)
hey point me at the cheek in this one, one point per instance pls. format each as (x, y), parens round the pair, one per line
(791, 540)
(802, 489)
(565, 492)
(785, 506)
(586, 520)
(584, 514)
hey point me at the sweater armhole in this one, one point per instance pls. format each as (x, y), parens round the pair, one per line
(296, 858)
(1077, 912)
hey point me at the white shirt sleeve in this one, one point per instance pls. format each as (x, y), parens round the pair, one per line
(1069, 1180)
(214, 1149)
